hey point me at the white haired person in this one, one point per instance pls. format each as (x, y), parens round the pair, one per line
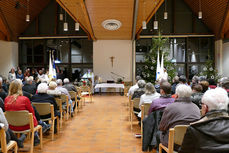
(29, 86)
(211, 133)
(181, 112)
(68, 85)
(134, 87)
(52, 90)
(12, 75)
(149, 95)
(65, 92)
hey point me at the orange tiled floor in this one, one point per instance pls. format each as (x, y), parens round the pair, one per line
(101, 127)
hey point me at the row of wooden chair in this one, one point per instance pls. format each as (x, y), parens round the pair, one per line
(21, 118)
(176, 134)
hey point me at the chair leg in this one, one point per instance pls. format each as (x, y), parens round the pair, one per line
(160, 149)
(15, 148)
(58, 125)
(53, 124)
(41, 138)
(32, 142)
(61, 119)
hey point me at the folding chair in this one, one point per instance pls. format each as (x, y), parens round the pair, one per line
(176, 136)
(59, 105)
(5, 147)
(22, 118)
(144, 113)
(46, 109)
(86, 91)
(65, 104)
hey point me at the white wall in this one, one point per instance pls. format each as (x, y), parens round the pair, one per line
(8, 56)
(121, 50)
(225, 59)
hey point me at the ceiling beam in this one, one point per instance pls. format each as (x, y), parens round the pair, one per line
(224, 23)
(154, 10)
(10, 35)
(135, 17)
(89, 31)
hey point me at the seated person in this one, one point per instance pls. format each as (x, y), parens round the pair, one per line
(138, 92)
(181, 112)
(149, 95)
(29, 86)
(197, 94)
(68, 85)
(165, 98)
(204, 85)
(43, 97)
(52, 90)
(211, 133)
(15, 101)
(134, 87)
(3, 93)
(9, 134)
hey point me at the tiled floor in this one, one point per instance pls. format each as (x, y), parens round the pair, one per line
(101, 127)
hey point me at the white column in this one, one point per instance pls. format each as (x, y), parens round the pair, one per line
(225, 71)
(219, 56)
(133, 61)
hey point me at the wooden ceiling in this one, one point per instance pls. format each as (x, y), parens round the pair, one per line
(13, 12)
(91, 13)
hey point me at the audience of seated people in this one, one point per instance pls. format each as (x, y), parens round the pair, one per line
(211, 133)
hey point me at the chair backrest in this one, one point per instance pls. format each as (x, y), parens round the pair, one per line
(58, 102)
(145, 109)
(136, 102)
(72, 94)
(3, 139)
(64, 97)
(176, 136)
(84, 88)
(128, 83)
(18, 118)
(179, 132)
(43, 108)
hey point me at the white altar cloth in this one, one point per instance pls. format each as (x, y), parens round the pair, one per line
(109, 85)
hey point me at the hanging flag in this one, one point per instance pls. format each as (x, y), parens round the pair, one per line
(50, 66)
(54, 66)
(158, 71)
(162, 65)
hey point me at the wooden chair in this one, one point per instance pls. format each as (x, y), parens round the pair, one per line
(130, 97)
(46, 109)
(86, 91)
(59, 105)
(22, 118)
(65, 105)
(176, 136)
(4, 146)
(134, 103)
(74, 99)
(144, 113)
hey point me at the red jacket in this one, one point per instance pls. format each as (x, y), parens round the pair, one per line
(21, 103)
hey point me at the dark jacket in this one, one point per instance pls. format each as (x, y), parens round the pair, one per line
(70, 87)
(150, 129)
(173, 90)
(3, 94)
(210, 134)
(138, 92)
(44, 98)
(30, 88)
(196, 98)
(181, 112)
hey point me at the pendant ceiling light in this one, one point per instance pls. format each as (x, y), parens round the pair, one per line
(143, 14)
(27, 18)
(155, 23)
(165, 12)
(200, 12)
(77, 26)
(61, 16)
(65, 22)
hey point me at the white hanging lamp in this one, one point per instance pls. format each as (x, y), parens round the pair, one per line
(165, 12)
(77, 26)
(65, 23)
(155, 23)
(61, 15)
(27, 17)
(143, 14)
(200, 15)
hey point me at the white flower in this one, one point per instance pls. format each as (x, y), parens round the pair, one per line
(146, 67)
(152, 68)
(148, 75)
(212, 77)
(153, 61)
(205, 69)
(211, 69)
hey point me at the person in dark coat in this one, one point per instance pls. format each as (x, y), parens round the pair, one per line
(67, 85)
(29, 86)
(197, 94)
(211, 133)
(181, 112)
(3, 93)
(174, 84)
(43, 97)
